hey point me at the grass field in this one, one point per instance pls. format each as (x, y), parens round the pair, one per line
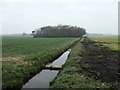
(105, 38)
(24, 56)
(13, 46)
(113, 40)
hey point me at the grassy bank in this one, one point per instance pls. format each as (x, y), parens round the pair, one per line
(74, 76)
(23, 57)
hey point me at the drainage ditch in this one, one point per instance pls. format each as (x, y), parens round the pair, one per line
(49, 72)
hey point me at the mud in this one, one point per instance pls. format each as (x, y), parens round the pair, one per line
(100, 61)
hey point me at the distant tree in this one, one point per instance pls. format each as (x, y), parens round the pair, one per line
(60, 31)
(23, 33)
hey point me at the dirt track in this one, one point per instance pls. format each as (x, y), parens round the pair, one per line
(100, 61)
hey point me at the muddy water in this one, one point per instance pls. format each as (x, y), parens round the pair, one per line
(43, 79)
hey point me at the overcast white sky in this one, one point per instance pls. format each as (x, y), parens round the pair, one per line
(96, 16)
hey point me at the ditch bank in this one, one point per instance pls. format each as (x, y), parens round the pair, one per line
(36, 66)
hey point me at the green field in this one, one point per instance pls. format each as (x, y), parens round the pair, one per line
(13, 46)
(105, 38)
(24, 56)
(113, 40)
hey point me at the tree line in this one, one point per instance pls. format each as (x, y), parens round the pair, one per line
(59, 31)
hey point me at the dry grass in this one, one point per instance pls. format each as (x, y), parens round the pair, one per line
(15, 59)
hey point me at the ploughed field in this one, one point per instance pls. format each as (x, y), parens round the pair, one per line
(101, 60)
(23, 57)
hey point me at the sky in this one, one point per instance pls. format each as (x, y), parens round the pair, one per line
(96, 16)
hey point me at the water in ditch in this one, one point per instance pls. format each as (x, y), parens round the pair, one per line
(43, 79)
